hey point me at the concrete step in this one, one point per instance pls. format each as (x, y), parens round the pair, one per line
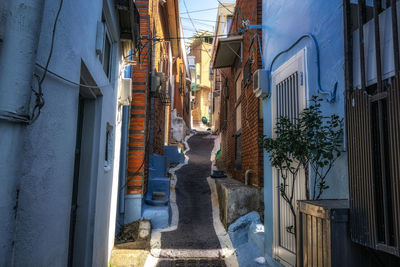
(173, 154)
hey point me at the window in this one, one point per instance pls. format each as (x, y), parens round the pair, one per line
(107, 55)
(109, 147)
(104, 46)
(238, 123)
(228, 24)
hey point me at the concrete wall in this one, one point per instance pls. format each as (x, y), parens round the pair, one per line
(44, 205)
(284, 24)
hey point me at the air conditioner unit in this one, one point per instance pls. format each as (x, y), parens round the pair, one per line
(163, 83)
(125, 91)
(261, 83)
(155, 83)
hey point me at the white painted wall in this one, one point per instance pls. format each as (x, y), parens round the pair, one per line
(43, 216)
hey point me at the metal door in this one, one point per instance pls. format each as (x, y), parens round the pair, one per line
(288, 99)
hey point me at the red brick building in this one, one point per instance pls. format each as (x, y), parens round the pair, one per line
(237, 57)
(150, 113)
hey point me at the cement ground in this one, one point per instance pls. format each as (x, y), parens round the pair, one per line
(196, 236)
(195, 227)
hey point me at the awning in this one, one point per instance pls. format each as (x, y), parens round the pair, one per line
(228, 49)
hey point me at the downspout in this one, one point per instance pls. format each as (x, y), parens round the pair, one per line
(18, 55)
(122, 164)
(247, 176)
(152, 100)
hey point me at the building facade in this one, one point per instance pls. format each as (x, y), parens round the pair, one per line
(200, 54)
(60, 199)
(222, 26)
(158, 87)
(317, 45)
(235, 59)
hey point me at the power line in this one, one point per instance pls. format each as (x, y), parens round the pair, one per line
(202, 23)
(193, 37)
(184, 2)
(225, 7)
(39, 93)
(206, 20)
(69, 81)
(200, 10)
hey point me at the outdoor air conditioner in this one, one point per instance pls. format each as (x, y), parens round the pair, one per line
(163, 83)
(261, 83)
(158, 83)
(155, 83)
(125, 91)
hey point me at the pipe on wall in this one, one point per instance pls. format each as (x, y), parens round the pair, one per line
(247, 176)
(18, 55)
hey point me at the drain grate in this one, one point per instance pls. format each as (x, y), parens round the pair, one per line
(191, 263)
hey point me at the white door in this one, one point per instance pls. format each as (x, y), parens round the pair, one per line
(288, 91)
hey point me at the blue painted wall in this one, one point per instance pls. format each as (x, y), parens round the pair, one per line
(284, 22)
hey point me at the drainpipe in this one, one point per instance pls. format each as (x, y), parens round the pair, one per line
(18, 55)
(122, 164)
(247, 175)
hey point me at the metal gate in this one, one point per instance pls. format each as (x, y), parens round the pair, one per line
(288, 99)
(373, 123)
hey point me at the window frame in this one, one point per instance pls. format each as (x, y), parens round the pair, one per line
(238, 131)
(107, 38)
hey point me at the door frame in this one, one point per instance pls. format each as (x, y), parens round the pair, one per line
(80, 252)
(295, 63)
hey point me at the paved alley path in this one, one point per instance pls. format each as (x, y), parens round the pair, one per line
(195, 228)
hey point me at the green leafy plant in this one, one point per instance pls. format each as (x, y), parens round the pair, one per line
(311, 141)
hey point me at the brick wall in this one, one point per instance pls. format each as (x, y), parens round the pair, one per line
(252, 126)
(138, 136)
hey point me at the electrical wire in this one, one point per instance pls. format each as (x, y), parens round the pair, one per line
(39, 102)
(197, 11)
(208, 53)
(205, 20)
(332, 94)
(193, 37)
(52, 41)
(72, 82)
(224, 7)
(200, 23)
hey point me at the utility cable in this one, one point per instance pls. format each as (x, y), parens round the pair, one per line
(39, 93)
(224, 6)
(205, 20)
(208, 53)
(193, 37)
(72, 82)
(197, 11)
(332, 94)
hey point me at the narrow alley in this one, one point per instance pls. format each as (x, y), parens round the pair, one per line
(195, 232)
(195, 227)
(199, 133)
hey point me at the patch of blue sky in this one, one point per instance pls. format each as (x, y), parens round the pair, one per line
(199, 15)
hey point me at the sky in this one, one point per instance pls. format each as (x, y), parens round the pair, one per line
(202, 19)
